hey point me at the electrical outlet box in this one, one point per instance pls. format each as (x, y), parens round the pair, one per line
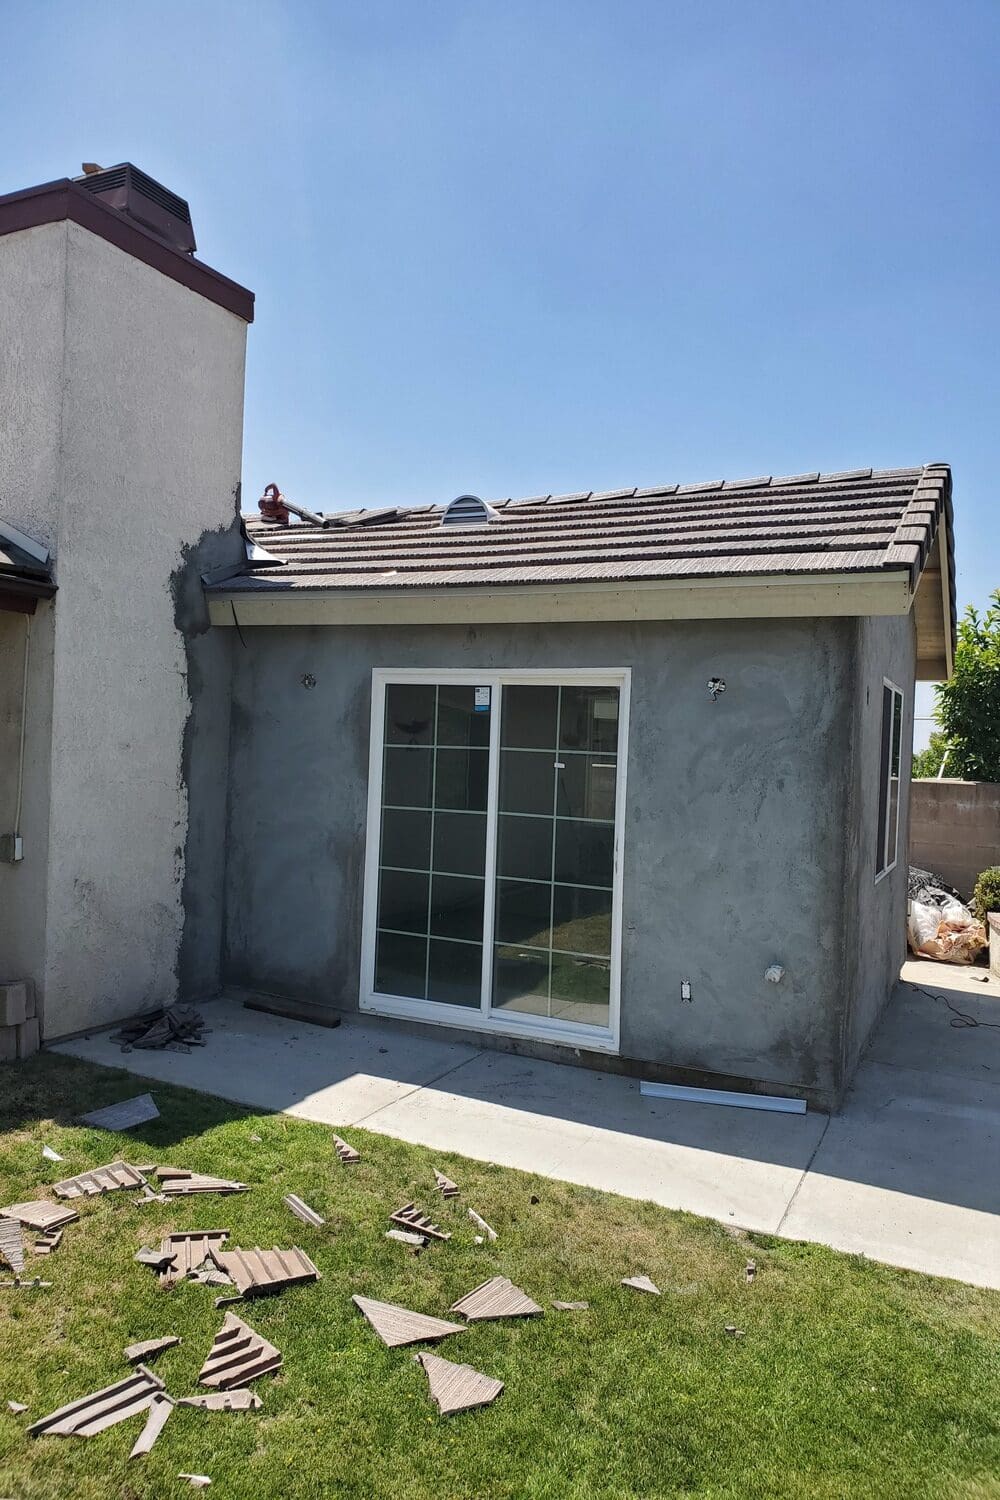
(11, 848)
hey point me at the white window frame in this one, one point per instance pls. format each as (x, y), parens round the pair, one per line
(507, 1023)
(889, 865)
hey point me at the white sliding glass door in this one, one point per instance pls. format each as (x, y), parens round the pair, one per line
(495, 806)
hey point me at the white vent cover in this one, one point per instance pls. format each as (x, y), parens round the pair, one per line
(469, 510)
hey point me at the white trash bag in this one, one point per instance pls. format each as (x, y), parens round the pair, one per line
(938, 925)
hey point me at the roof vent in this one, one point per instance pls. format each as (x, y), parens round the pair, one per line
(469, 510)
(152, 205)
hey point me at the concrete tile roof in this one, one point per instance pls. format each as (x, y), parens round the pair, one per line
(861, 521)
(21, 573)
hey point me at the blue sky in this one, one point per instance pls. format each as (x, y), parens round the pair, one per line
(520, 247)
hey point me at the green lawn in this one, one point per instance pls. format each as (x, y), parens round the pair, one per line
(851, 1380)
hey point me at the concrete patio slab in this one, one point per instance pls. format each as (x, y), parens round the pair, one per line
(740, 1166)
(906, 1173)
(336, 1075)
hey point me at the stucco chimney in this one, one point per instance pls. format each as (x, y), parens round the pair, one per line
(121, 381)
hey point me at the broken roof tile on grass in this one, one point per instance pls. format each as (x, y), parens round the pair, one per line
(258, 1271)
(302, 1211)
(117, 1174)
(481, 1223)
(397, 1325)
(237, 1356)
(444, 1185)
(159, 1410)
(103, 1408)
(124, 1115)
(455, 1387)
(177, 1181)
(238, 1400)
(405, 1237)
(149, 1349)
(182, 1254)
(40, 1214)
(496, 1298)
(348, 1155)
(12, 1244)
(157, 1259)
(148, 1196)
(641, 1284)
(410, 1217)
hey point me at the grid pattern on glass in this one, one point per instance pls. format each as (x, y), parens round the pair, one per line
(432, 845)
(555, 852)
(888, 791)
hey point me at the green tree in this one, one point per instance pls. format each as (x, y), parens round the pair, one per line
(968, 704)
(928, 762)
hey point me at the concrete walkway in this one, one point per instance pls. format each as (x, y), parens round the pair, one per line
(908, 1173)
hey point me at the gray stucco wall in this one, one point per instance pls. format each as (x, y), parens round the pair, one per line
(123, 396)
(875, 930)
(23, 886)
(734, 836)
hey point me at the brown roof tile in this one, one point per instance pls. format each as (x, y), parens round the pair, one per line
(861, 521)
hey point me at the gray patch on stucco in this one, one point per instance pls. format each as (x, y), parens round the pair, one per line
(734, 848)
(204, 759)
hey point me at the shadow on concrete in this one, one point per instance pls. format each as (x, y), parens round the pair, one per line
(922, 1120)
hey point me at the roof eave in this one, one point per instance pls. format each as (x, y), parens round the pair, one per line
(21, 594)
(759, 596)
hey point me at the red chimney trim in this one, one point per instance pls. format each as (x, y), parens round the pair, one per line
(52, 202)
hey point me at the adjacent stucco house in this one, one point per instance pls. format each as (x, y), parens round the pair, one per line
(121, 425)
(619, 778)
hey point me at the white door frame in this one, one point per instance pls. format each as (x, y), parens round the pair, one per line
(542, 1028)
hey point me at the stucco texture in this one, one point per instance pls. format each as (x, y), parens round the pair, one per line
(875, 926)
(734, 845)
(125, 448)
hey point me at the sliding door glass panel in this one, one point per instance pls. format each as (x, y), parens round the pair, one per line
(894, 759)
(432, 852)
(555, 852)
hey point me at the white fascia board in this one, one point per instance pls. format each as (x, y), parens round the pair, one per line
(765, 596)
(946, 595)
(26, 543)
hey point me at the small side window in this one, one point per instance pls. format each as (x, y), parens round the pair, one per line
(888, 788)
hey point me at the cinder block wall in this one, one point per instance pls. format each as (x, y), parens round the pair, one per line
(955, 829)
